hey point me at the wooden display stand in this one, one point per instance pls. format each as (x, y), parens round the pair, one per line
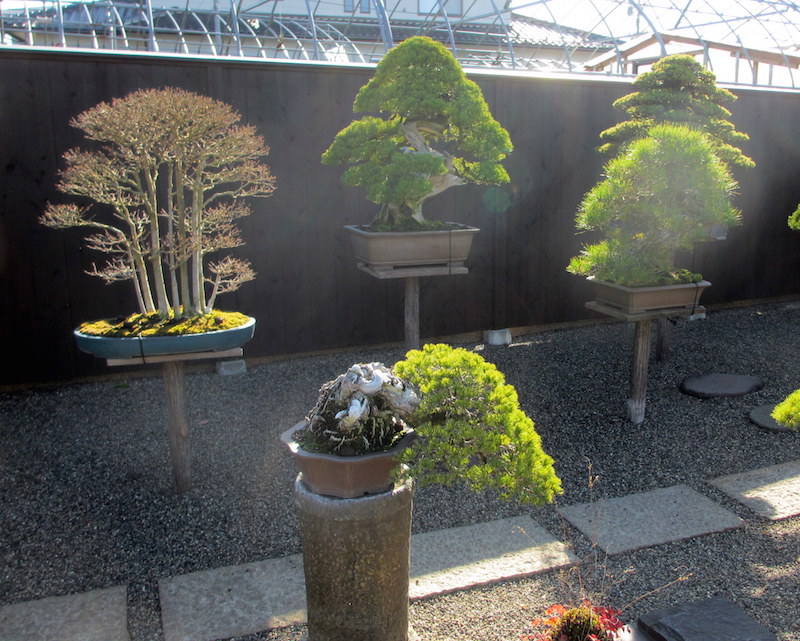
(175, 388)
(641, 346)
(412, 275)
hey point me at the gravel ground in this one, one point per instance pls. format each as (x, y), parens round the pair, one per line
(87, 502)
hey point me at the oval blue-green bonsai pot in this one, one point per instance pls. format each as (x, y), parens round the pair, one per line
(112, 347)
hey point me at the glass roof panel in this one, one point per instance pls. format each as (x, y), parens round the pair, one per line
(743, 41)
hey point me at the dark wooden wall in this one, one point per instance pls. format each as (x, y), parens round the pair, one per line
(308, 294)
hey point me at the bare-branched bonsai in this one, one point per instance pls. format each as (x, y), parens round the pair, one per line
(662, 194)
(434, 131)
(168, 177)
(469, 425)
(679, 90)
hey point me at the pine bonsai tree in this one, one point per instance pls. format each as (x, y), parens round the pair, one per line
(787, 412)
(434, 131)
(661, 195)
(678, 90)
(169, 174)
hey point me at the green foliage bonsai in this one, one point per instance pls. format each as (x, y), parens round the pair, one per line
(678, 90)
(787, 412)
(662, 194)
(794, 220)
(168, 176)
(469, 425)
(434, 131)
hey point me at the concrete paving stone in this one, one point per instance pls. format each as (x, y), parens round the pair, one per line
(714, 385)
(649, 518)
(773, 492)
(233, 601)
(457, 558)
(98, 615)
(714, 619)
(244, 599)
(762, 416)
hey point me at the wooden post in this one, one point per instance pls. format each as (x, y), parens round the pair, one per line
(663, 338)
(641, 356)
(177, 425)
(412, 312)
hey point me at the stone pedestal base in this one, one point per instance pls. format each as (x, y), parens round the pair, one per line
(356, 558)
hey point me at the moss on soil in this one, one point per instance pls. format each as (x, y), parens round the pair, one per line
(153, 325)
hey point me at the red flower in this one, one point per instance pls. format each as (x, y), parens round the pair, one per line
(606, 620)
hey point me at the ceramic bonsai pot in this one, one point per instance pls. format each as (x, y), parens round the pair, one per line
(384, 251)
(112, 347)
(345, 477)
(638, 300)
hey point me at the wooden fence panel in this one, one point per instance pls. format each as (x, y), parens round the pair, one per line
(308, 294)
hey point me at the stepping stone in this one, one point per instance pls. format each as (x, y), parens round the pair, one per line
(649, 518)
(245, 599)
(713, 385)
(463, 557)
(716, 618)
(99, 615)
(761, 416)
(773, 492)
(233, 601)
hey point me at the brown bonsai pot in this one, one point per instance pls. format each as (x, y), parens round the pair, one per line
(384, 251)
(638, 300)
(345, 477)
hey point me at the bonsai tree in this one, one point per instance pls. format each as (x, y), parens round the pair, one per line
(661, 194)
(434, 131)
(787, 412)
(794, 220)
(468, 421)
(678, 90)
(168, 177)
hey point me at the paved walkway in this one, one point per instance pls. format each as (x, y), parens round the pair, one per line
(238, 600)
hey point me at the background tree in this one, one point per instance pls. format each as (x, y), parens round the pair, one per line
(173, 167)
(678, 90)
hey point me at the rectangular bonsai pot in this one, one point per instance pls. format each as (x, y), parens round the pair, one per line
(637, 300)
(384, 251)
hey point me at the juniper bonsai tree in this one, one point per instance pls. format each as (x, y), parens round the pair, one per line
(472, 428)
(678, 90)
(469, 425)
(661, 194)
(168, 178)
(434, 131)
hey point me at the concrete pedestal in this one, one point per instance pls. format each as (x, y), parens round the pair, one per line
(356, 558)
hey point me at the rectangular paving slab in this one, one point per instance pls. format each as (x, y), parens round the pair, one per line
(233, 601)
(98, 615)
(649, 518)
(244, 599)
(457, 558)
(773, 492)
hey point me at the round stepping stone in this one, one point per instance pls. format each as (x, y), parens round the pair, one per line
(761, 416)
(713, 385)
